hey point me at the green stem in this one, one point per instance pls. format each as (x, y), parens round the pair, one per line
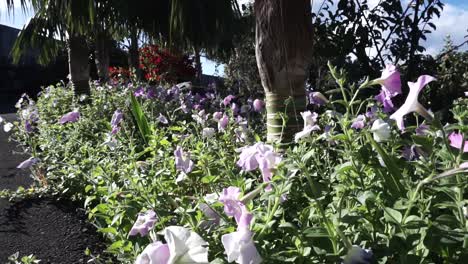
(329, 226)
(414, 196)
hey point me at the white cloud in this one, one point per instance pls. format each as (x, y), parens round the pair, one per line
(453, 22)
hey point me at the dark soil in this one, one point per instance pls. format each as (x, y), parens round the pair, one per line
(54, 231)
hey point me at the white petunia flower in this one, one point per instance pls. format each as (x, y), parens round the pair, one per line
(185, 246)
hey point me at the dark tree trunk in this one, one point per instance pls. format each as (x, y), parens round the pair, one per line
(198, 65)
(133, 54)
(78, 64)
(284, 52)
(102, 55)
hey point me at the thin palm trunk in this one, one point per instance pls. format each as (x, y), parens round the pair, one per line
(78, 64)
(133, 54)
(102, 55)
(198, 65)
(283, 52)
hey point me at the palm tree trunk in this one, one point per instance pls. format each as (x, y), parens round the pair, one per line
(78, 64)
(102, 55)
(133, 54)
(198, 65)
(284, 52)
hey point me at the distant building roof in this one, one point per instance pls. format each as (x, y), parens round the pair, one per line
(7, 39)
(8, 36)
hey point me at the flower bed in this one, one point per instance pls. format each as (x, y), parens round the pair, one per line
(171, 176)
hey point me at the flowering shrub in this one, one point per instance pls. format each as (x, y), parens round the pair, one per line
(170, 176)
(162, 65)
(119, 74)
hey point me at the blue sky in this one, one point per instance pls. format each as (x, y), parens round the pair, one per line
(453, 22)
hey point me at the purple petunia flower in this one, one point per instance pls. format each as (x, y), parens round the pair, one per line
(267, 163)
(223, 123)
(385, 100)
(412, 152)
(182, 160)
(70, 117)
(391, 87)
(217, 116)
(260, 156)
(359, 122)
(154, 253)
(317, 98)
(239, 245)
(309, 125)
(235, 109)
(464, 165)
(232, 205)
(248, 158)
(115, 121)
(456, 141)
(162, 119)
(140, 92)
(150, 93)
(258, 105)
(390, 80)
(144, 223)
(411, 103)
(27, 163)
(28, 126)
(227, 100)
(371, 114)
(422, 130)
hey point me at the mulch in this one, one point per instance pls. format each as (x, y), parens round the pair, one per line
(55, 231)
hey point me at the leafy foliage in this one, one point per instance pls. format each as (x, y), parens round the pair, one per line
(336, 188)
(452, 70)
(389, 32)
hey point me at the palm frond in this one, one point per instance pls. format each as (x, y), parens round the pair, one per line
(37, 37)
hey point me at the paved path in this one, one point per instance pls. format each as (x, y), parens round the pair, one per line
(54, 231)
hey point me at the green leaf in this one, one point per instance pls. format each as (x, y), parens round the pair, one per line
(316, 232)
(108, 230)
(287, 225)
(424, 141)
(392, 215)
(116, 245)
(140, 118)
(208, 179)
(393, 177)
(448, 220)
(88, 188)
(414, 222)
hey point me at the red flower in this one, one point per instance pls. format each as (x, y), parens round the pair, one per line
(162, 65)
